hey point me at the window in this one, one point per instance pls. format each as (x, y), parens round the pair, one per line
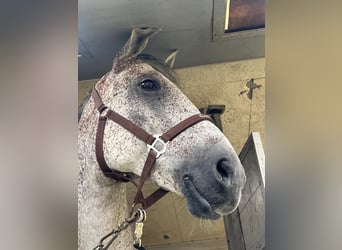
(238, 19)
(244, 15)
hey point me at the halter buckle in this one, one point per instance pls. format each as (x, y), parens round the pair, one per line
(158, 146)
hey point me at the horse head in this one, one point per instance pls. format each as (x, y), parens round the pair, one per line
(199, 164)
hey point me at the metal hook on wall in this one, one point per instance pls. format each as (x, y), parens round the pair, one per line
(251, 86)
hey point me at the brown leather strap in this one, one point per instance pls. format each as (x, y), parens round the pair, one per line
(97, 100)
(100, 155)
(151, 158)
(131, 127)
(146, 172)
(155, 196)
(151, 199)
(180, 127)
(142, 135)
(122, 121)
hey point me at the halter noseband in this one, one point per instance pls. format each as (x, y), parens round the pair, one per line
(156, 147)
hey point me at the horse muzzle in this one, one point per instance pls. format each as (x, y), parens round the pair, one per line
(213, 190)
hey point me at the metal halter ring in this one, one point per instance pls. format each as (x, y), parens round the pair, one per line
(158, 142)
(104, 111)
(142, 215)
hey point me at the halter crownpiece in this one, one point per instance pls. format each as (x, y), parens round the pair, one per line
(156, 147)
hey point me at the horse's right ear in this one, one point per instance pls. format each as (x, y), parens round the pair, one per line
(170, 60)
(135, 44)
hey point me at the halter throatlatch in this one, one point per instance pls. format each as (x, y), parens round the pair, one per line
(156, 147)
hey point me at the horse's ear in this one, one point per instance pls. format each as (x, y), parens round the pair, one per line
(135, 44)
(170, 60)
(133, 47)
(139, 39)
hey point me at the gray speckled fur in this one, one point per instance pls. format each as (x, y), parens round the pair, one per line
(102, 202)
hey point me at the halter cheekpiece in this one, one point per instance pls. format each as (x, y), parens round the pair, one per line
(156, 145)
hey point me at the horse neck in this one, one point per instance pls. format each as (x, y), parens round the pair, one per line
(102, 202)
(102, 206)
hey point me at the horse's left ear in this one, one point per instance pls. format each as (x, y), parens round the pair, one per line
(135, 44)
(170, 60)
(138, 40)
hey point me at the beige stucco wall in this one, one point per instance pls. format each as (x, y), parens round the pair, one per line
(222, 84)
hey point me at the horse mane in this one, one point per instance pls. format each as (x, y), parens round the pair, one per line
(146, 58)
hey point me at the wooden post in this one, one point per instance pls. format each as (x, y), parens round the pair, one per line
(245, 227)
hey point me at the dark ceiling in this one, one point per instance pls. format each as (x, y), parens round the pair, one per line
(105, 25)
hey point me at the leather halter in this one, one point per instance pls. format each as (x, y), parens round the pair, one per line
(153, 144)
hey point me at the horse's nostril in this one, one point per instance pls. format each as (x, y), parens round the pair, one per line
(224, 169)
(186, 177)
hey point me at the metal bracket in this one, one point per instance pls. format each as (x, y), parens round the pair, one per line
(215, 112)
(158, 146)
(251, 86)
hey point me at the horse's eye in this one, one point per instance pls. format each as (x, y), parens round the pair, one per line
(149, 85)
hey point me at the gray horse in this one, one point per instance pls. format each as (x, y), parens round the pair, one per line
(199, 164)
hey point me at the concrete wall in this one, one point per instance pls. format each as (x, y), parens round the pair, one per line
(222, 84)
